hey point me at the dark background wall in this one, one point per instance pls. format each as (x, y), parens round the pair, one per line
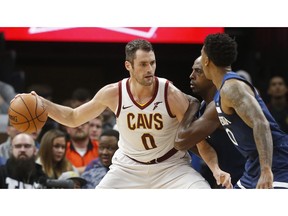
(66, 66)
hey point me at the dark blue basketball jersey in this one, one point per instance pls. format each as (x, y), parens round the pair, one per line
(229, 158)
(242, 137)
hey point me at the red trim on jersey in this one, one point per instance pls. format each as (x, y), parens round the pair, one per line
(166, 99)
(119, 98)
(150, 101)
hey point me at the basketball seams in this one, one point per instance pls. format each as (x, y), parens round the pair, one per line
(20, 123)
(19, 114)
(29, 112)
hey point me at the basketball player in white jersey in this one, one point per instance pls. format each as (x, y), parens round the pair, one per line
(148, 111)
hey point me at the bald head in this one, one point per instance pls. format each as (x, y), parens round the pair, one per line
(23, 138)
(23, 146)
(197, 63)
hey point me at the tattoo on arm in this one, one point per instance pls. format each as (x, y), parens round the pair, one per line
(240, 98)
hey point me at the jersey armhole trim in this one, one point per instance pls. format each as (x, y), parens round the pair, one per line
(166, 99)
(119, 98)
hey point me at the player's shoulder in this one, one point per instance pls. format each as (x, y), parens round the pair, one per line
(107, 92)
(234, 87)
(234, 92)
(171, 87)
(110, 88)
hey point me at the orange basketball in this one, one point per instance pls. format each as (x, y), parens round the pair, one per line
(27, 113)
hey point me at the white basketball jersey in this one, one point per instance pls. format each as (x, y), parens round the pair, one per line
(146, 131)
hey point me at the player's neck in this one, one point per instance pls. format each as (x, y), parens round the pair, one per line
(208, 96)
(218, 74)
(142, 94)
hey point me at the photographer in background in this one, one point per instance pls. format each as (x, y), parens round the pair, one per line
(20, 170)
(78, 182)
(68, 180)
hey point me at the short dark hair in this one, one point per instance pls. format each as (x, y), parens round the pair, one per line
(135, 45)
(221, 49)
(110, 132)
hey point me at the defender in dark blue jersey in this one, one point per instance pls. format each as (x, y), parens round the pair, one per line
(245, 118)
(229, 158)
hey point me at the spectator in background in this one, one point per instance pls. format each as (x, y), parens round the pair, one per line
(109, 120)
(6, 146)
(51, 155)
(80, 148)
(79, 182)
(278, 105)
(95, 127)
(21, 171)
(12, 132)
(97, 169)
(7, 93)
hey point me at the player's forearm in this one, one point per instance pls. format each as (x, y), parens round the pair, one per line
(209, 155)
(59, 113)
(264, 143)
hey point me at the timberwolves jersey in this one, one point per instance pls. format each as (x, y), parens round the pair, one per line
(229, 158)
(242, 137)
(147, 131)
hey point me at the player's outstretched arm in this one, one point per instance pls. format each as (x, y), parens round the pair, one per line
(191, 130)
(208, 154)
(105, 97)
(238, 96)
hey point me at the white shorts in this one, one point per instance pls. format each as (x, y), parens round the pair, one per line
(173, 173)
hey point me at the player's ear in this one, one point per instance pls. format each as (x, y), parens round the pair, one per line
(128, 65)
(206, 61)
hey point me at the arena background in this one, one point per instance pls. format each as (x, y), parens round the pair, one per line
(68, 65)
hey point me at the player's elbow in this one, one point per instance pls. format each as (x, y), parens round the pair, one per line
(183, 145)
(177, 146)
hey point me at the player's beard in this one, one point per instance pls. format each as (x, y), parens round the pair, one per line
(23, 168)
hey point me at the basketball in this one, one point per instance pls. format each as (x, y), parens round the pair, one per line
(27, 113)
